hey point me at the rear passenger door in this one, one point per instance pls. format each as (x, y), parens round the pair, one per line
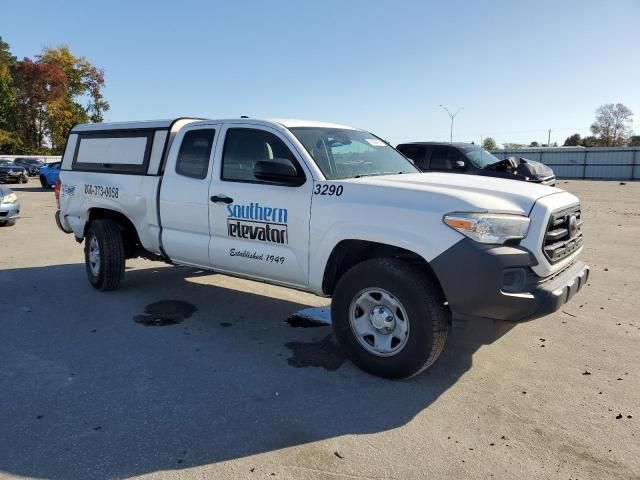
(417, 153)
(258, 229)
(184, 196)
(443, 159)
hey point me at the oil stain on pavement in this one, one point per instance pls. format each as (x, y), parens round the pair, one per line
(302, 321)
(165, 312)
(326, 354)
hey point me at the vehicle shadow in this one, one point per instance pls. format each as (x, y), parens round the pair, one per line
(88, 392)
(17, 187)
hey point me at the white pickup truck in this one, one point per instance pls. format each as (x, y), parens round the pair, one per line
(327, 209)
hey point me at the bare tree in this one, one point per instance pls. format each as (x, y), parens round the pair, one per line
(613, 124)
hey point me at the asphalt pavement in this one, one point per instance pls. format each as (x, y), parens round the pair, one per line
(186, 374)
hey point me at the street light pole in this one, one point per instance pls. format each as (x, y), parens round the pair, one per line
(452, 115)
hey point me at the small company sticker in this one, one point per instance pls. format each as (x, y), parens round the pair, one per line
(375, 142)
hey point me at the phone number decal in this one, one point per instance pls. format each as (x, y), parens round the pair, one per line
(100, 191)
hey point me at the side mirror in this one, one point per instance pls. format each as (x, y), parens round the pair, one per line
(459, 165)
(279, 170)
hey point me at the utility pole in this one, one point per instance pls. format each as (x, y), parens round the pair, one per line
(549, 139)
(452, 115)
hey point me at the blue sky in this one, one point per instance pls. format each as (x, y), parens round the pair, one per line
(517, 67)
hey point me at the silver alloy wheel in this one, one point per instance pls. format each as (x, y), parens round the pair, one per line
(379, 322)
(94, 256)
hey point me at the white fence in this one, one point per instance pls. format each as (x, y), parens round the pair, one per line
(600, 163)
(44, 158)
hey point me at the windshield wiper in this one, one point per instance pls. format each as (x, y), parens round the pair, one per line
(361, 175)
(377, 174)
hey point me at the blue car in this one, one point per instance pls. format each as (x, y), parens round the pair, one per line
(49, 174)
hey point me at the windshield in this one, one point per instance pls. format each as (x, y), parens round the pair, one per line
(479, 156)
(344, 153)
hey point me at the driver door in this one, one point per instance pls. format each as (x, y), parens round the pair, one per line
(258, 229)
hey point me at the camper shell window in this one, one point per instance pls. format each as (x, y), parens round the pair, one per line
(114, 151)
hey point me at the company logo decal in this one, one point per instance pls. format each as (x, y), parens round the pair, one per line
(67, 190)
(256, 222)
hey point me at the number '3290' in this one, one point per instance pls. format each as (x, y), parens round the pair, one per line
(326, 189)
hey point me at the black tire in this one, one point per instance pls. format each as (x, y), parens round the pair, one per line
(110, 272)
(428, 318)
(43, 182)
(8, 223)
(24, 179)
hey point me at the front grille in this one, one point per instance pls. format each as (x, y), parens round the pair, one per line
(564, 234)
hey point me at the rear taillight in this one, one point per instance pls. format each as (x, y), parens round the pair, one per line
(57, 192)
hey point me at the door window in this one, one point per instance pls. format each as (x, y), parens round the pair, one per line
(244, 147)
(444, 159)
(415, 153)
(194, 154)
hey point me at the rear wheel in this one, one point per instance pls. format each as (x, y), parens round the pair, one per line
(390, 317)
(43, 182)
(104, 254)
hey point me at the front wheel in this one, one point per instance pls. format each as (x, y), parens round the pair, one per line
(24, 179)
(389, 317)
(104, 254)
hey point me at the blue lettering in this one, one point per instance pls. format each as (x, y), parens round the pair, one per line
(254, 211)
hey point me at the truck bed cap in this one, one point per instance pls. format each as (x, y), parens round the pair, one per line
(167, 123)
(157, 124)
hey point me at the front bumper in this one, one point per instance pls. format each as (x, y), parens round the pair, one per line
(490, 281)
(9, 211)
(10, 178)
(549, 181)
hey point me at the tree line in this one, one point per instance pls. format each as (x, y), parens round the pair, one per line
(42, 98)
(611, 128)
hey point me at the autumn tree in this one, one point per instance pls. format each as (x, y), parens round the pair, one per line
(85, 83)
(41, 99)
(9, 141)
(39, 88)
(613, 124)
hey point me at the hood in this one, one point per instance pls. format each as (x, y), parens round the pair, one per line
(15, 168)
(465, 192)
(533, 169)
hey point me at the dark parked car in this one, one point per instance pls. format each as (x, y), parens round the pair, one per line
(12, 173)
(31, 164)
(474, 160)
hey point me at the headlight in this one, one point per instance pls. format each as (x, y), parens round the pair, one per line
(489, 227)
(11, 198)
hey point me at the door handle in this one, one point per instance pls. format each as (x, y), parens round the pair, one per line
(221, 199)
